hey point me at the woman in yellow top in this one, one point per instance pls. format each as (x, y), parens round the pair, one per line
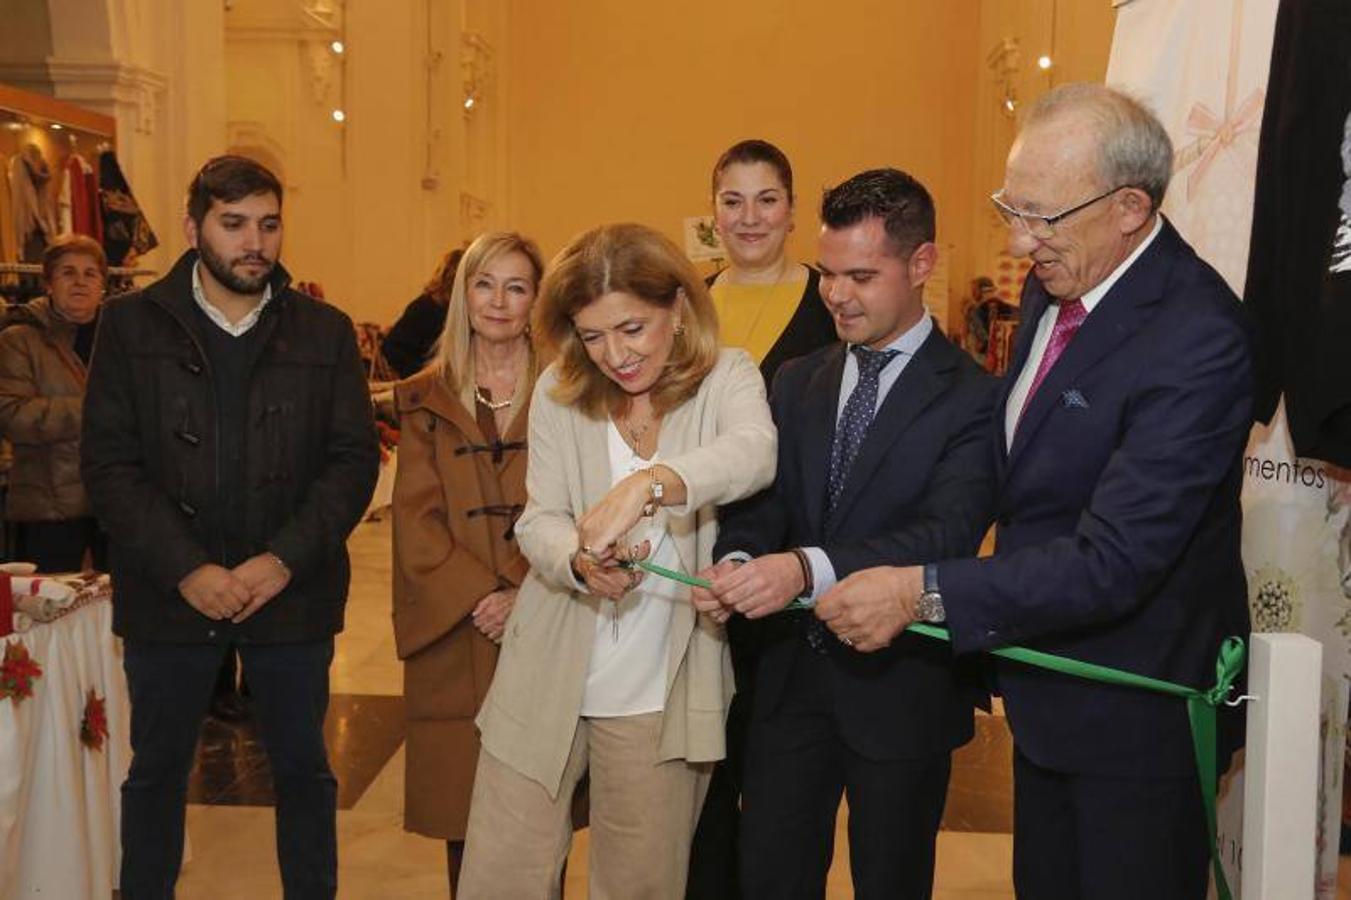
(769, 305)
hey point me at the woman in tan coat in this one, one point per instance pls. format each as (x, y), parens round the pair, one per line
(637, 433)
(459, 487)
(44, 360)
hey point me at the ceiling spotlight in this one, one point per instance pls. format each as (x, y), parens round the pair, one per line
(56, 126)
(1043, 62)
(339, 116)
(338, 47)
(468, 102)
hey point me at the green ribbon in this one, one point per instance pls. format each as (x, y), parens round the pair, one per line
(1201, 704)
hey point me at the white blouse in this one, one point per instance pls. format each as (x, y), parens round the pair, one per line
(627, 674)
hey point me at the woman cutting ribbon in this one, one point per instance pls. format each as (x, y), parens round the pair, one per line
(637, 433)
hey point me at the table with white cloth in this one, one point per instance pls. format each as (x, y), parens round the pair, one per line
(60, 800)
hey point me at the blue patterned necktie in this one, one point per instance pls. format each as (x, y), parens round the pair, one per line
(857, 416)
(849, 434)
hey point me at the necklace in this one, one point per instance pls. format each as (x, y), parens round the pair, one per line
(484, 371)
(636, 435)
(494, 405)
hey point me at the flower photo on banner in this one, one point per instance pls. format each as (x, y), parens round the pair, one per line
(1292, 521)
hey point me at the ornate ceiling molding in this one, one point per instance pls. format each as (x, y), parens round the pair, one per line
(317, 20)
(103, 85)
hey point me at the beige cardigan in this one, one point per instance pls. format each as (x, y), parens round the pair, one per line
(723, 445)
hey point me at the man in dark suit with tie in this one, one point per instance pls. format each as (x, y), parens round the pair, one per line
(1121, 431)
(883, 456)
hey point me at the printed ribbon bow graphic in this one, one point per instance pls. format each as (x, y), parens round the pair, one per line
(1215, 135)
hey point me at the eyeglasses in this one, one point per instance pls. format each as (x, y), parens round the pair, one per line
(1039, 226)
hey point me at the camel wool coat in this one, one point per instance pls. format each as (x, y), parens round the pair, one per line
(453, 495)
(723, 445)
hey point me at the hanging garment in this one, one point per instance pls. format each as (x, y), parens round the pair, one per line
(34, 219)
(64, 220)
(125, 229)
(1341, 244)
(81, 187)
(9, 247)
(91, 192)
(1298, 285)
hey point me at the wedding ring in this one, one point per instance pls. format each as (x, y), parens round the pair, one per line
(844, 640)
(586, 548)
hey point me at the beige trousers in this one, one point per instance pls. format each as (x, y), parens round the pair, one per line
(643, 814)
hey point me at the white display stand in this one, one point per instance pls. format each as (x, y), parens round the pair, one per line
(1281, 787)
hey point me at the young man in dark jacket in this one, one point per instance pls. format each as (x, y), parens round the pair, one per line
(228, 449)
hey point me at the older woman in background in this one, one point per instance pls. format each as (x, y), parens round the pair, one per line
(44, 359)
(459, 487)
(638, 432)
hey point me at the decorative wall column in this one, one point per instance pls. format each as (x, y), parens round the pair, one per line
(157, 68)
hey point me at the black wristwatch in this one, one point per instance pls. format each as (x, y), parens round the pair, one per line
(930, 607)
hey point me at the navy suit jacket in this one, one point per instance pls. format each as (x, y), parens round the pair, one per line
(922, 487)
(1118, 518)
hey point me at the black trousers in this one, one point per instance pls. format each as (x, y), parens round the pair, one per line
(170, 686)
(797, 768)
(1089, 837)
(59, 546)
(714, 850)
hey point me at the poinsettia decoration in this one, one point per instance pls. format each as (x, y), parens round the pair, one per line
(18, 671)
(94, 725)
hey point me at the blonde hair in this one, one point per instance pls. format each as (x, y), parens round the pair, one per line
(453, 356)
(636, 260)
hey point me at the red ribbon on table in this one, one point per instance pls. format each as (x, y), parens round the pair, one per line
(6, 605)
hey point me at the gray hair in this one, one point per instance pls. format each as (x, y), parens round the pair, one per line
(1134, 149)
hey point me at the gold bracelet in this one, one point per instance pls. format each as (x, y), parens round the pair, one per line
(656, 490)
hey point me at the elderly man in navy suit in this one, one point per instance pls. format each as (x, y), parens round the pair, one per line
(1119, 441)
(883, 457)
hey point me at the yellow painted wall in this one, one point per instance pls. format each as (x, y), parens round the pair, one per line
(374, 202)
(1077, 35)
(618, 109)
(593, 111)
(605, 110)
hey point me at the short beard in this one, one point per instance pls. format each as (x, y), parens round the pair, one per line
(222, 272)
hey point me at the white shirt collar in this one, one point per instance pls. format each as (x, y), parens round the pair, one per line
(1092, 297)
(910, 340)
(234, 329)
